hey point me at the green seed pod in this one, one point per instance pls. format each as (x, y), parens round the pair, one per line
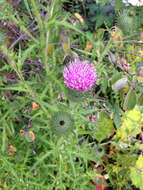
(75, 95)
(130, 100)
(126, 22)
(62, 123)
(99, 151)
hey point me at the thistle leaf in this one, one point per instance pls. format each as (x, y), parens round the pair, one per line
(104, 126)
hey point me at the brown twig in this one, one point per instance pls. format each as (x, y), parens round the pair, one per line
(126, 52)
(16, 3)
(21, 38)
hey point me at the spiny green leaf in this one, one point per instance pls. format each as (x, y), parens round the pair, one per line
(104, 126)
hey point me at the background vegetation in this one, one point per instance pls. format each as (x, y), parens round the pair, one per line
(104, 147)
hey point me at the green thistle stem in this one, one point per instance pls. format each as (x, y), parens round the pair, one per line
(42, 31)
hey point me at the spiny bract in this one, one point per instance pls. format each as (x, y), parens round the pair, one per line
(126, 22)
(62, 123)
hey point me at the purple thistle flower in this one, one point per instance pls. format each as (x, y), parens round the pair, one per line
(80, 75)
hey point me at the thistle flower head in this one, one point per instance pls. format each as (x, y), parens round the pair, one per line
(80, 75)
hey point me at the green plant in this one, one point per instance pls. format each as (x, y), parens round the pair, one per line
(126, 22)
(52, 137)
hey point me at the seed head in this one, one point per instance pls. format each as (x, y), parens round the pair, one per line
(62, 123)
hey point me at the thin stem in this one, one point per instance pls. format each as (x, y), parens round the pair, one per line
(12, 63)
(20, 38)
(48, 33)
(42, 31)
(23, 28)
(37, 15)
(14, 66)
(126, 52)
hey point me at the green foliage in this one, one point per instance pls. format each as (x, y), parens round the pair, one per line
(94, 14)
(52, 137)
(119, 84)
(136, 173)
(130, 100)
(115, 77)
(140, 99)
(104, 126)
(6, 10)
(131, 124)
(120, 169)
(126, 22)
(2, 2)
(2, 38)
(97, 15)
(105, 1)
(75, 96)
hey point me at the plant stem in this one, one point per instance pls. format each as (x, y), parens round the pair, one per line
(12, 63)
(48, 32)
(37, 15)
(42, 31)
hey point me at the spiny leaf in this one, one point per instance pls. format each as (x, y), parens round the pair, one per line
(104, 126)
